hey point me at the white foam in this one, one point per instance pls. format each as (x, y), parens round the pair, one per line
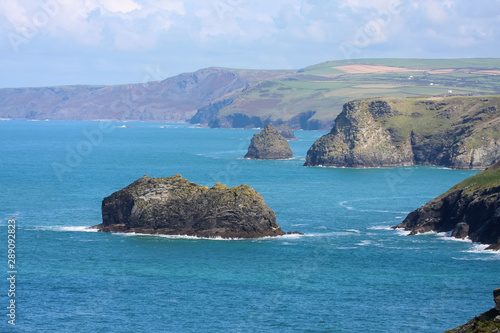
(364, 243)
(402, 232)
(481, 248)
(218, 238)
(380, 227)
(299, 225)
(354, 230)
(343, 204)
(79, 229)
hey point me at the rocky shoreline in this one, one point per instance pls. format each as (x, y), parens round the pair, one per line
(470, 209)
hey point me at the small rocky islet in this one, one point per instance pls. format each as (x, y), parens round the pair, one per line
(268, 144)
(175, 206)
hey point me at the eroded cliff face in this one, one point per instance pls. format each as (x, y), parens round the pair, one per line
(457, 132)
(174, 206)
(358, 140)
(469, 209)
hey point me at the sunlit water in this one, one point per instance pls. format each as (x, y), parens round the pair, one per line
(349, 273)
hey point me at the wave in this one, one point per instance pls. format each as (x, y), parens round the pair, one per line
(62, 228)
(402, 232)
(380, 227)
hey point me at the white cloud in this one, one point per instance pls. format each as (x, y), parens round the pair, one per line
(122, 6)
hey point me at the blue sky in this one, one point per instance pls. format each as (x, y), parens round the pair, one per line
(60, 42)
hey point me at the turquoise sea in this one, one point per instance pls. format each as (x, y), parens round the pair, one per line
(349, 273)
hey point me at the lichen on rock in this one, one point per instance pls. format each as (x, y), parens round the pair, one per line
(175, 206)
(269, 144)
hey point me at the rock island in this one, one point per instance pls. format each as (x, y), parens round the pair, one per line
(175, 206)
(270, 145)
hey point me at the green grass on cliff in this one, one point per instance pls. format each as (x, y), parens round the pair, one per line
(325, 87)
(488, 178)
(439, 115)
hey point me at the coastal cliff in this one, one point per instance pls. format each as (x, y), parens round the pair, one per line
(174, 206)
(455, 132)
(469, 209)
(269, 144)
(488, 322)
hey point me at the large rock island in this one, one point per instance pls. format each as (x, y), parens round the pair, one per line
(270, 145)
(174, 206)
(469, 209)
(457, 132)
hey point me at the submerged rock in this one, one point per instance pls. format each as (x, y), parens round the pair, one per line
(469, 209)
(488, 322)
(269, 144)
(174, 206)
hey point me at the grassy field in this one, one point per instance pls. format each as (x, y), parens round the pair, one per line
(325, 87)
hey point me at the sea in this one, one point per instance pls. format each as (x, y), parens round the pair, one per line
(348, 272)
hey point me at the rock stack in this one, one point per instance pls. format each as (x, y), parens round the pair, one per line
(269, 145)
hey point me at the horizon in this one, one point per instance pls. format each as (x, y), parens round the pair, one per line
(109, 42)
(247, 69)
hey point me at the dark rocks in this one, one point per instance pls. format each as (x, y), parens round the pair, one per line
(488, 322)
(269, 144)
(285, 131)
(469, 209)
(174, 206)
(496, 297)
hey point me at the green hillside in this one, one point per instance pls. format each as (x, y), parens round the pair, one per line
(325, 87)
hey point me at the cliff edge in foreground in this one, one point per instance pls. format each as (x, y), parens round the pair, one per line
(457, 132)
(469, 209)
(268, 144)
(488, 322)
(174, 206)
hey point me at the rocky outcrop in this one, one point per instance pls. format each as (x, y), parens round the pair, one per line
(456, 132)
(488, 322)
(469, 209)
(174, 206)
(285, 131)
(269, 144)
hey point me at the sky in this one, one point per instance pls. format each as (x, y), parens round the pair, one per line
(96, 42)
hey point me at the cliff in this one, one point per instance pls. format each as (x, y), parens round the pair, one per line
(174, 206)
(175, 99)
(469, 209)
(456, 132)
(269, 144)
(488, 322)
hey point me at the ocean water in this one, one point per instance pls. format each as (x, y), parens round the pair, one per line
(349, 273)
